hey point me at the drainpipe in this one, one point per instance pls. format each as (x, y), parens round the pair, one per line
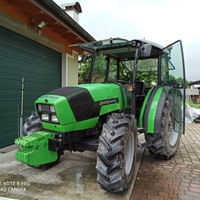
(22, 104)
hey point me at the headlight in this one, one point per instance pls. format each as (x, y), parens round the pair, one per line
(52, 109)
(45, 117)
(39, 107)
(54, 118)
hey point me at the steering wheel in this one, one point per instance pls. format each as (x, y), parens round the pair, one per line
(123, 81)
(166, 84)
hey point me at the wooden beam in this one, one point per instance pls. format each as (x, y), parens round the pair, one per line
(25, 6)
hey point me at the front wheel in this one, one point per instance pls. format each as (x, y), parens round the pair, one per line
(116, 154)
(165, 143)
(32, 125)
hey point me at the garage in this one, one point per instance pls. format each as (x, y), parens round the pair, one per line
(41, 68)
(34, 44)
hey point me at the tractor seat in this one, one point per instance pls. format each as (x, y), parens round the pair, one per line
(139, 89)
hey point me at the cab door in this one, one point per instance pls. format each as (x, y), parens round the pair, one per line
(172, 77)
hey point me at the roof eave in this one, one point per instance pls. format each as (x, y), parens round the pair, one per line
(195, 83)
(62, 17)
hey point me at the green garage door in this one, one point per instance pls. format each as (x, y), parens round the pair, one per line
(41, 68)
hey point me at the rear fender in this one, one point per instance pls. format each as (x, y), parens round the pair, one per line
(151, 112)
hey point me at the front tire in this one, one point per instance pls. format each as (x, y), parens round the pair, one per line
(32, 125)
(116, 154)
(165, 143)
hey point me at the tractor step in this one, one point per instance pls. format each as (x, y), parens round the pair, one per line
(145, 144)
(140, 130)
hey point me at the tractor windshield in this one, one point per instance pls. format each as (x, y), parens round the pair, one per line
(102, 65)
(106, 68)
(99, 70)
(113, 59)
(148, 65)
(146, 70)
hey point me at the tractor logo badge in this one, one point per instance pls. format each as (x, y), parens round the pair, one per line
(108, 101)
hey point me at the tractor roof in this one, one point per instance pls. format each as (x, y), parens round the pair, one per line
(119, 48)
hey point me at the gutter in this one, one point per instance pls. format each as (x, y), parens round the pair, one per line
(51, 8)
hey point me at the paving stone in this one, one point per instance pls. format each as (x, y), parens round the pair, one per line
(178, 178)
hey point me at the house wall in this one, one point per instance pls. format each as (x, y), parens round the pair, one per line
(69, 69)
(197, 99)
(194, 86)
(73, 69)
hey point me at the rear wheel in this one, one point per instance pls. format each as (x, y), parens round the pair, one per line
(165, 143)
(117, 154)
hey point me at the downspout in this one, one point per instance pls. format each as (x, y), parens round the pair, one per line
(22, 107)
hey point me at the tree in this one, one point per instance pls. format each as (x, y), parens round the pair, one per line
(99, 70)
(180, 80)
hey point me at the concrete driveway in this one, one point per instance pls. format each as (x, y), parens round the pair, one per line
(73, 178)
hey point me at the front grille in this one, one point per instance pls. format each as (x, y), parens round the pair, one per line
(45, 108)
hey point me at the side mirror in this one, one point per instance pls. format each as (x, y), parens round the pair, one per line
(146, 50)
(84, 56)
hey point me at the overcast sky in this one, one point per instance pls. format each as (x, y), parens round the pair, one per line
(160, 21)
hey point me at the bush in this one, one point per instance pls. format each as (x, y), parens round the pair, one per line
(192, 104)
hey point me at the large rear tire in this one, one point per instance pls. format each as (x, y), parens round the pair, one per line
(116, 154)
(165, 143)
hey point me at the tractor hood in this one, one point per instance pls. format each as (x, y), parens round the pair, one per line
(78, 103)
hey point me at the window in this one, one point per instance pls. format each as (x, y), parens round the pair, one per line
(100, 68)
(112, 69)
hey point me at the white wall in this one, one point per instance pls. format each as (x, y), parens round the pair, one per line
(69, 69)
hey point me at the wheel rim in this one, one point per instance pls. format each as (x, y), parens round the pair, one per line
(172, 135)
(130, 152)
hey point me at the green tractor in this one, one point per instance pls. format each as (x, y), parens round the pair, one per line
(106, 114)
